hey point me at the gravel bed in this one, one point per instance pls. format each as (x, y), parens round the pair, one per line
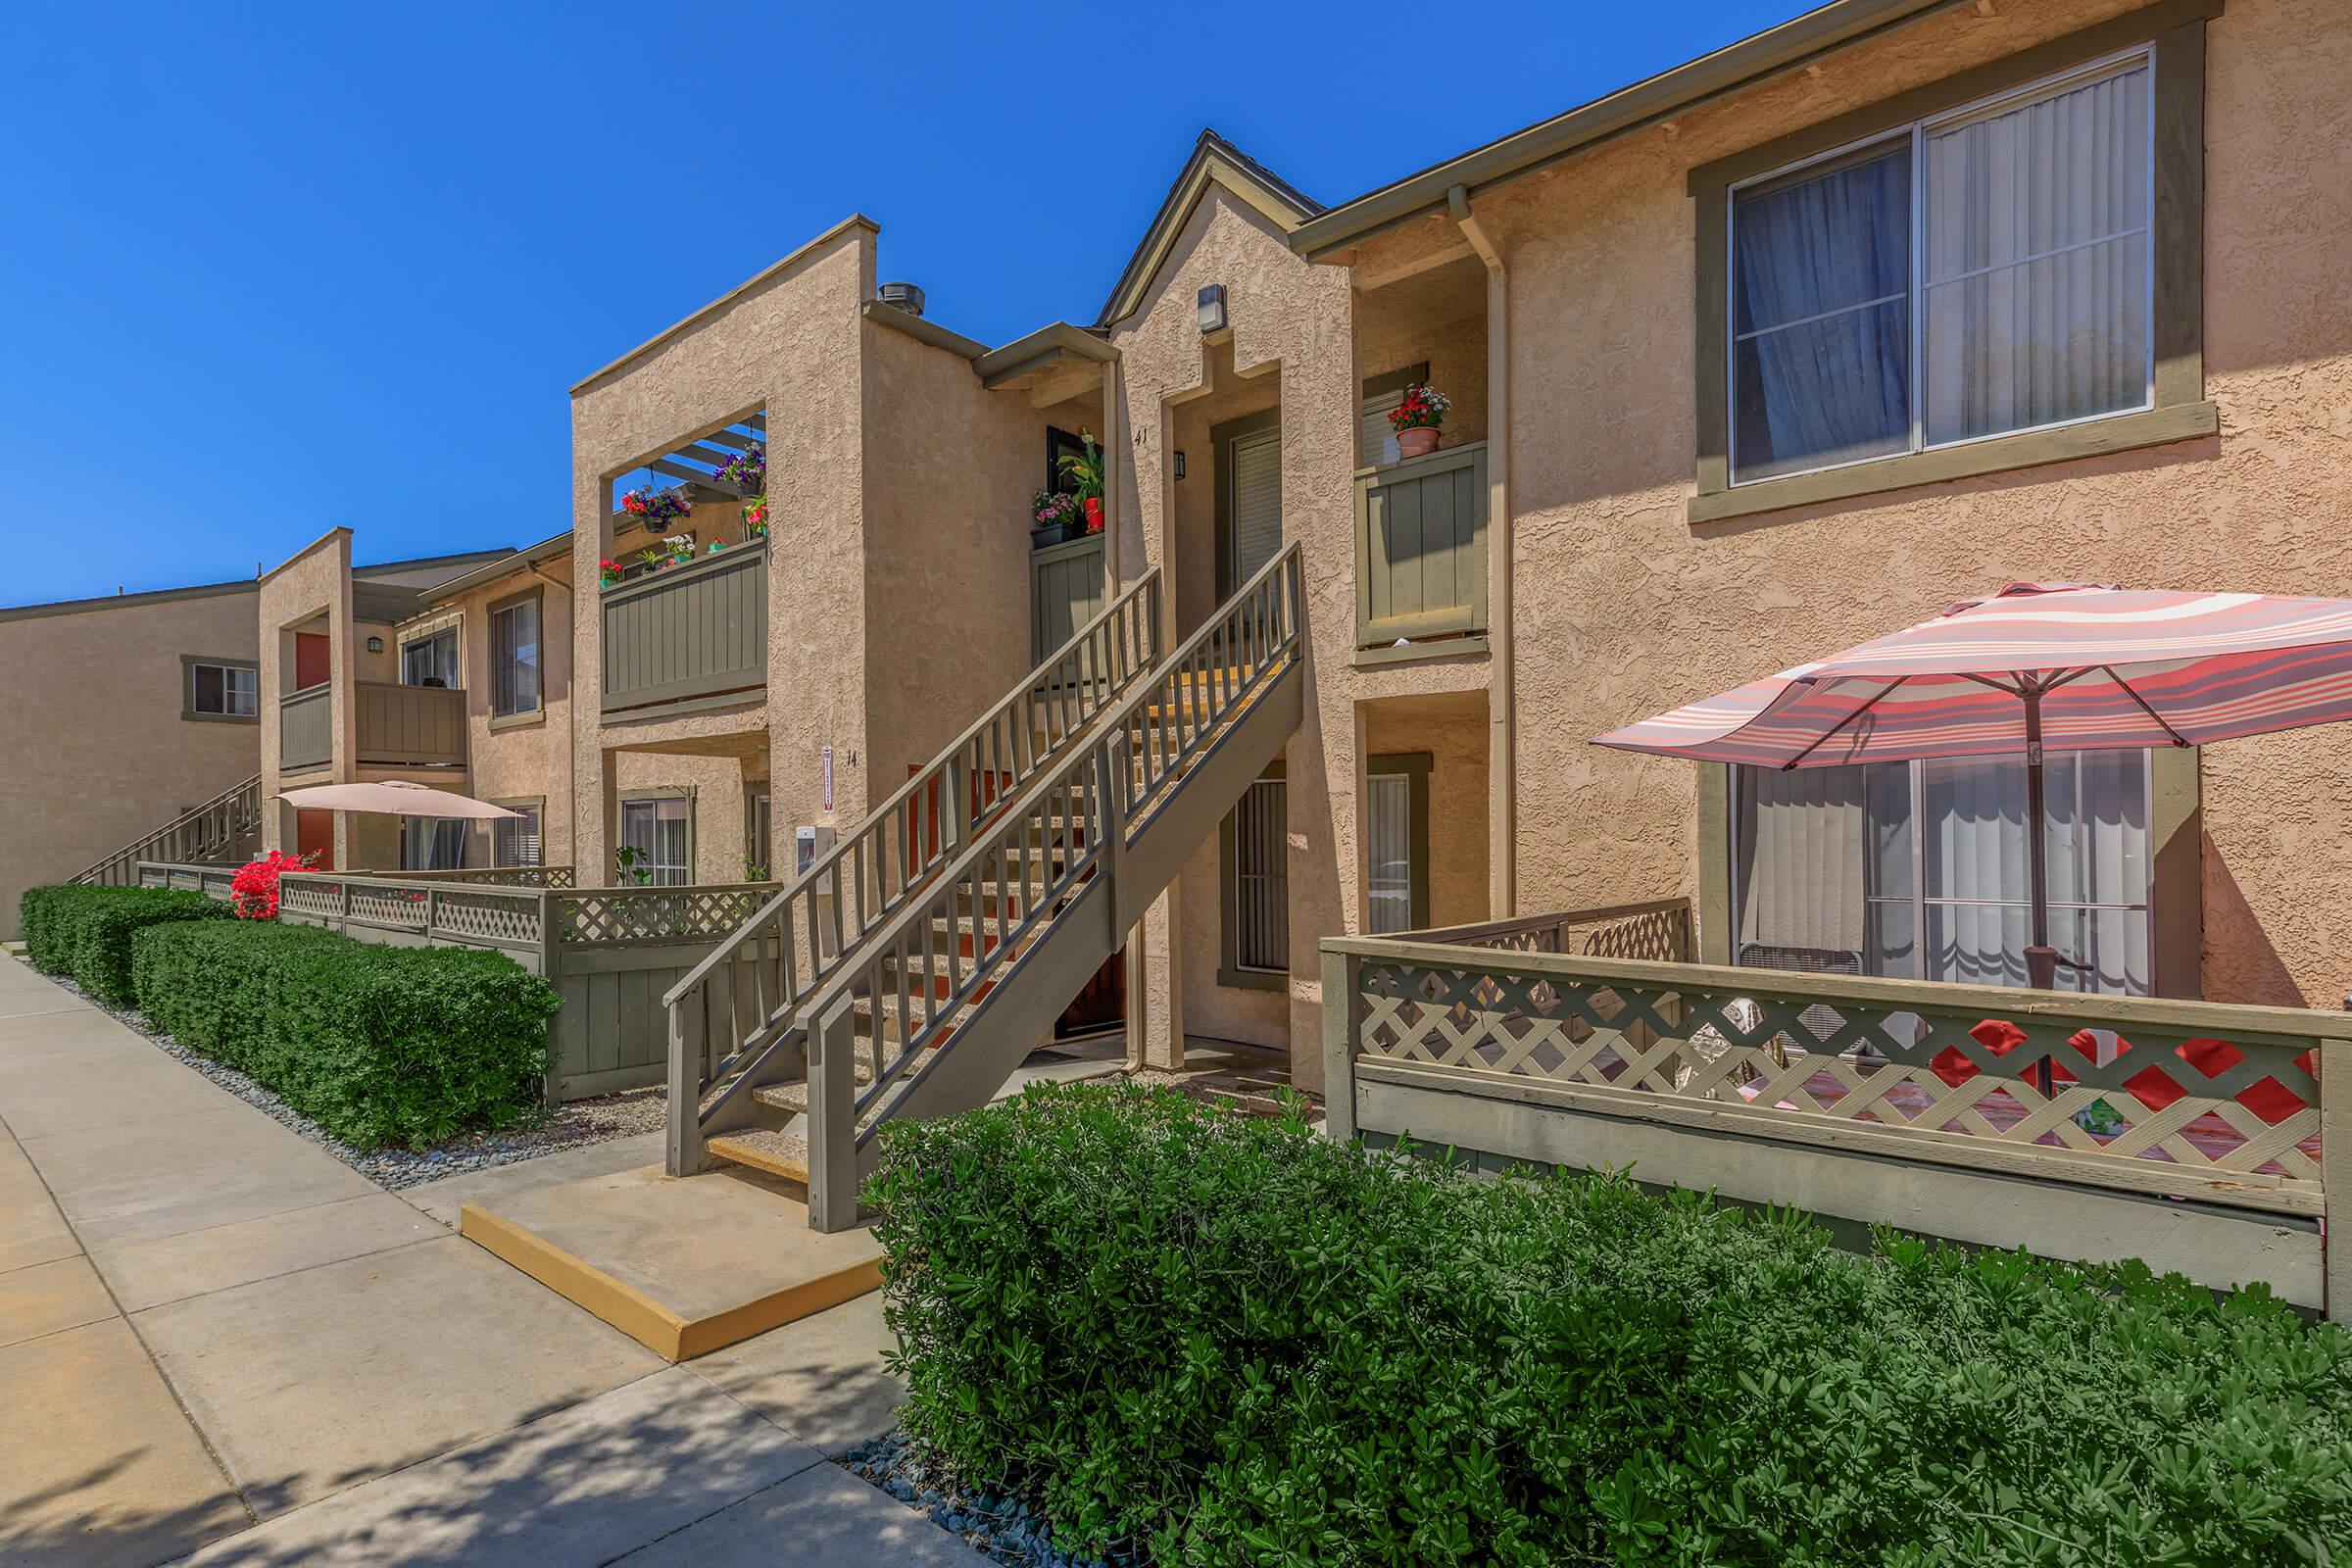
(1005, 1528)
(572, 1126)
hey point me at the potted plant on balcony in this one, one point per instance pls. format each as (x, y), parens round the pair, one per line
(755, 518)
(607, 573)
(1416, 418)
(651, 509)
(1084, 471)
(1055, 516)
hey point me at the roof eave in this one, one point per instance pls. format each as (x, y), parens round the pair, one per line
(1214, 160)
(1790, 46)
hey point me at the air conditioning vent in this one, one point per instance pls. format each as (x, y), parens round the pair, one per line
(905, 296)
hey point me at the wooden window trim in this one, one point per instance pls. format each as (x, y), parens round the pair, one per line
(2181, 412)
(1230, 974)
(187, 688)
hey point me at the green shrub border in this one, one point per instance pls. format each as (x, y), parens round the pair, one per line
(85, 932)
(378, 1045)
(1227, 1340)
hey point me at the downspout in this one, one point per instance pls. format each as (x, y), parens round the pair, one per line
(1502, 771)
(572, 719)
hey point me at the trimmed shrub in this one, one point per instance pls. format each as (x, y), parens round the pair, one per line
(1227, 1340)
(378, 1045)
(85, 932)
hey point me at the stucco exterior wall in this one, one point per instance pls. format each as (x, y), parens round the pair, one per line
(791, 343)
(529, 755)
(950, 470)
(1625, 608)
(314, 583)
(97, 752)
(1452, 733)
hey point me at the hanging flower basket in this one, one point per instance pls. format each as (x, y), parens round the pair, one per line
(655, 509)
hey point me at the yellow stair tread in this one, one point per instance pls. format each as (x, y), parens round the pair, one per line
(768, 1148)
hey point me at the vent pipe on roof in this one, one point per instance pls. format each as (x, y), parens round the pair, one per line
(905, 296)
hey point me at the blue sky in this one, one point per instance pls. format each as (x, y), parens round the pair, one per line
(322, 264)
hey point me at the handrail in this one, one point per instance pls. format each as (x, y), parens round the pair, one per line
(1118, 645)
(225, 804)
(1019, 866)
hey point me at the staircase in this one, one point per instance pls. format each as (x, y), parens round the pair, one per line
(910, 972)
(228, 828)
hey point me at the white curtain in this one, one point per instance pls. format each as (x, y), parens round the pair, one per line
(1388, 845)
(2036, 260)
(1800, 865)
(432, 843)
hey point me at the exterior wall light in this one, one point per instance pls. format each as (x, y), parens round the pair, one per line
(375, 645)
(1179, 465)
(1212, 308)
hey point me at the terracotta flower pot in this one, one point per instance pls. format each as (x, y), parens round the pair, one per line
(1418, 442)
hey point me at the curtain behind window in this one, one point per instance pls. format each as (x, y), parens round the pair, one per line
(1821, 317)
(1389, 846)
(2037, 261)
(1800, 859)
(432, 843)
(514, 658)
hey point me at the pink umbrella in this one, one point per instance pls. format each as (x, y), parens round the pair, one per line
(2034, 668)
(391, 798)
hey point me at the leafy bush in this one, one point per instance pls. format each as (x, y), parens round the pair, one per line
(1229, 1341)
(85, 932)
(378, 1045)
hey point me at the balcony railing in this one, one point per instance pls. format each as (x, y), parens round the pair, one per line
(306, 728)
(2004, 1117)
(1421, 547)
(411, 726)
(697, 630)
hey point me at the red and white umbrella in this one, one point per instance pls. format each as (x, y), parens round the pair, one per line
(2036, 667)
(391, 798)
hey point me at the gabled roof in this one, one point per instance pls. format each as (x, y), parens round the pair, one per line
(1219, 161)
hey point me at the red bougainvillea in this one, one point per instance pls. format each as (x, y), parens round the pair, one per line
(253, 893)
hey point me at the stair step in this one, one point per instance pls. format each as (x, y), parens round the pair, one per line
(766, 1149)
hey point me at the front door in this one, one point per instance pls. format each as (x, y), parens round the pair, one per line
(1249, 480)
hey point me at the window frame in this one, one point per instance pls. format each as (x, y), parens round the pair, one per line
(503, 717)
(1230, 971)
(661, 792)
(457, 658)
(2171, 35)
(536, 805)
(190, 664)
(1414, 768)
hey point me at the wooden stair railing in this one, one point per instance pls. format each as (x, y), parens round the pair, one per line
(229, 825)
(939, 1001)
(743, 996)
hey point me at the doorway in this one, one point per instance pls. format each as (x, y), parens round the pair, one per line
(1249, 501)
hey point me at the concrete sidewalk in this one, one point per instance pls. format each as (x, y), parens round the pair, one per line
(213, 1335)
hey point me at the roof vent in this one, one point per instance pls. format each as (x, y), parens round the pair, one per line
(905, 296)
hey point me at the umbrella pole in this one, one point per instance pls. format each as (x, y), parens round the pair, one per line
(2041, 959)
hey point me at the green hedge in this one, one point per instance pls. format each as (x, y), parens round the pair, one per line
(378, 1045)
(1230, 1342)
(85, 932)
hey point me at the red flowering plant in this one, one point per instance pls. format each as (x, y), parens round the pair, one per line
(253, 892)
(1422, 408)
(656, 508)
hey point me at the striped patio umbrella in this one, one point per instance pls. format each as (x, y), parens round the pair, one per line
(2034, 668)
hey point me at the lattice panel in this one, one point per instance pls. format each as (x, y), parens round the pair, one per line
(399, 906)
(1662, 935)
(2196, 1102)
(310, 898)
(667, 914)
(504, 918)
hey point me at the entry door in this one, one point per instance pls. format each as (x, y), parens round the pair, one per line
(1249, 497)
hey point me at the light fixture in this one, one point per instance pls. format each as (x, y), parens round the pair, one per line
(375, 645)
(1179, 465)
(1212, 308)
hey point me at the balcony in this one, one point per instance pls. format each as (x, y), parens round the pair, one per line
(1421, 553)
(689, 632)
(398, 726)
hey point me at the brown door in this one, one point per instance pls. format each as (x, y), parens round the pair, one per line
(315, 834)
(312, 665)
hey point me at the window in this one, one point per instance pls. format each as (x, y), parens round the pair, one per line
(1397, 843)
(430, 660)
(514, 656)
(1917, 870)
(660, 829)
(1255, 845)
(515, 840)
(1382, 394)
(759, 836)
(432, 843)
(218, 689)
(1979, 272)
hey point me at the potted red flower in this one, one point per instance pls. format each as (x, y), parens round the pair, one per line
(1416, 418)
(1085, 474)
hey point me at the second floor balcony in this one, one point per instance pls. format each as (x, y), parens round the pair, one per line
(395, 726)
(1421, 552)
(696, 630)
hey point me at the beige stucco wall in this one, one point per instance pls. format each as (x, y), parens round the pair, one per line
(1625, 608)
(314, 582)
(1452, 732)
(791, 343)
(94, 750)
(527, 757)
